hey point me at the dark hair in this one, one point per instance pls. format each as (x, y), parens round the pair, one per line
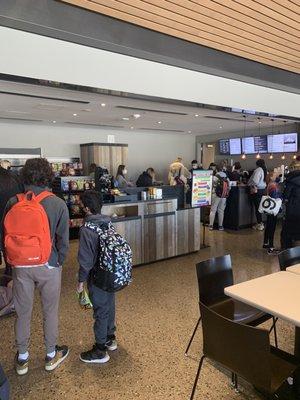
(261, 163)
(237, 165)
(7, 180)
(92, 167)
(120, 170)
(194, 162)
(37, 172)
(92, 200)
(150, 169)
(211, 165)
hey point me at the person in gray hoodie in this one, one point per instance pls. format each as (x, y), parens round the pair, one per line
(103, 302)
(37, 176)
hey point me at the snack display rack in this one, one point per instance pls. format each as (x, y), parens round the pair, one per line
(69, 189)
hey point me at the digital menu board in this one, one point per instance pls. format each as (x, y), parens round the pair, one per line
(255, 144)
(201, 188)
(224, 147)
(230, 146)
(235, 146)
(283, 143)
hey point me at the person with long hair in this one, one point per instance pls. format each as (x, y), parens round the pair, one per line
(257, 184)
(121, 181)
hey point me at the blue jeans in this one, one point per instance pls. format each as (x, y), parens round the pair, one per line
(104, 314)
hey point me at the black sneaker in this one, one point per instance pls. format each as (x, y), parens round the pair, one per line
(273, 252)
(97, 355)
(61, 353)
(266, 246)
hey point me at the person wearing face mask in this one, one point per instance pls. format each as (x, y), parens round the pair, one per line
(121, 182)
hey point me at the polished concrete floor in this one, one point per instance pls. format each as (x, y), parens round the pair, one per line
(155, 317)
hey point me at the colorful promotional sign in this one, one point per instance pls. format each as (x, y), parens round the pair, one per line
(201, 188)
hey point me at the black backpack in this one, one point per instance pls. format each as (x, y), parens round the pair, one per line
(222, 187)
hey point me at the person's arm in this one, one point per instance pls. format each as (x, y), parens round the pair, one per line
(256, 177)
(87, 253)
(62, 234)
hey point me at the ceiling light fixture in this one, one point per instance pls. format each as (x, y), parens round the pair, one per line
(196, 115)
(54, 122)
(221, 127)
(159, 122)
(74, 115)
(283, 157)
(295, 157)
(136, 116)
(103, 104)
(258, 156)
(131, 127)
(125, 119)
(271, 157)
(189, 131)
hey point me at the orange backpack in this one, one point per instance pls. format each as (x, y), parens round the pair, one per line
(27, 238)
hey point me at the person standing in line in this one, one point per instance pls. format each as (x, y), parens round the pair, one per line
(147, 178)
(257, 184)
(220, 191)
(291, 197)
(103, 301)
(36, 252)
(9, 187)
(121, 182)
(274, 192)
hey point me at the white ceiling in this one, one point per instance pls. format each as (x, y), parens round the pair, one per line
(59, 105)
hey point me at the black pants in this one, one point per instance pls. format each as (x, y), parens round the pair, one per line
(256, 199)
(270, 230)
(286, 237)
(104, 314)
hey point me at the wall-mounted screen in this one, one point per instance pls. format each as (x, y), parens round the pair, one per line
(255, 144)
(235, 146)
(224, 147)
(283, 143)
(230, 146)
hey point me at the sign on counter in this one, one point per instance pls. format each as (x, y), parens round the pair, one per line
(201, 188)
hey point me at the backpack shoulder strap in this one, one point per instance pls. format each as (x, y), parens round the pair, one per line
(40, 197)
(20, 196)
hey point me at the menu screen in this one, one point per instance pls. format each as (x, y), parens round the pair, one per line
(202, 188)
(230, 146)
(224, 146)
(283, 143)
(255, 144)
(235, 146)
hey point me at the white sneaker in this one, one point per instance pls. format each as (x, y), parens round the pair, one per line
(260, 227)
(255, 227)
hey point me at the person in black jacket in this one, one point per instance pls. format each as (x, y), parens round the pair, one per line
(103, 302)
(146, 179)
(291, 196)
(9, 187)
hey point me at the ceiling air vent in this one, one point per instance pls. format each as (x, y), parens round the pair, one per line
(151, 110)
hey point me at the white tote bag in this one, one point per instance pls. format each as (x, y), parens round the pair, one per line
(270, 206)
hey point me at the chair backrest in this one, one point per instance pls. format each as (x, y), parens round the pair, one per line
(289, 257)
(214, 275)
(242, 349)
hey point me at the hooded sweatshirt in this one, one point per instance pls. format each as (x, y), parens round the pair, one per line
(88, 252)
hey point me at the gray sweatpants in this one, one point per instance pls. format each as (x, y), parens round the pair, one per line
(217, 205)
(48, 282)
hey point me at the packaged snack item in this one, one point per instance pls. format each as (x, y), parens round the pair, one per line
(84, 300)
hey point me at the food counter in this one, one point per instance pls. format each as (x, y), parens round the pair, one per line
(156, 229)
(239, 212)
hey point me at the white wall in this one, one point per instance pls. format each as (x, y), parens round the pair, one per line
(35, 56)
(145, 149)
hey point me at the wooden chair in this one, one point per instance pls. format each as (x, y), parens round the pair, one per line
(289, 257)
(244, 350)
(214, 275)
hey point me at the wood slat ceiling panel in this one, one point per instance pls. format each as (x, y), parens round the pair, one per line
(267, 31)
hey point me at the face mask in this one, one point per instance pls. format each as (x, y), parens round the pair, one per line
(194, 166)
(125, 171)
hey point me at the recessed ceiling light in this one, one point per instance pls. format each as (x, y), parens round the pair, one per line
(221, 127)
(125, 119)
(189, 131)
(196, 115)
(54, 122)
(74, 115)
(136, 116)
(159, 122)
(131, 127)
(103, 104)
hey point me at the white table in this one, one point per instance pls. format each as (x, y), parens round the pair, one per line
(276, 294)
(295, 269)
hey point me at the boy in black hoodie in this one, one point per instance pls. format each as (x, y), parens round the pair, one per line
(103, 302)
